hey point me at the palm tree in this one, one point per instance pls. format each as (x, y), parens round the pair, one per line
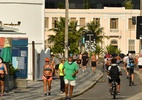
(58, 38)
(112, 50)
(74, 36)
(97, 30)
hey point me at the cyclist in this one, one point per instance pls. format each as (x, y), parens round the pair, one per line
(114, 72)
(130, 66)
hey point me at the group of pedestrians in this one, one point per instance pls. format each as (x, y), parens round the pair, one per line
(66, 71)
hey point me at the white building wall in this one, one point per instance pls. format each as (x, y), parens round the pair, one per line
(123, 34)
(31, 15)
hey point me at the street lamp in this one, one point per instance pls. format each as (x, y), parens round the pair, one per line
(66, 29)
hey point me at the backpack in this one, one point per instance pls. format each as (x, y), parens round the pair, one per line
(131, 62)
(114, 72)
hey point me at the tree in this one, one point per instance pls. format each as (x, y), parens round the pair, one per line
(99, 50)
(128, 4)
(86, 4)
(61, 5)
(58, 39)
(112, 50)
(94, 27)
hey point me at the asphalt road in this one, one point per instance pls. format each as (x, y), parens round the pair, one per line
(101, 90)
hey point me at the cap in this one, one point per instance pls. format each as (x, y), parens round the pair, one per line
(130, 54)
(47, 59)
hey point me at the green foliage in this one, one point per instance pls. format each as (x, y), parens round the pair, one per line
(61, 5)
(86, 4)
(12, 70)
(128, 4)
(112, 50)
(97, 30)
(99, 50)
(74, 36)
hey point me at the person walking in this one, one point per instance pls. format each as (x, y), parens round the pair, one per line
(93, 62)
(70, 69)
(61, 76)
(47, 76)
(130, 67)
(84, 61)
(3, 71)
(140, 63)
(55, 62)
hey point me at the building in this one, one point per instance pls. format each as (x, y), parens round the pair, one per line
(25, 19)
(92, 4)
(116, 21)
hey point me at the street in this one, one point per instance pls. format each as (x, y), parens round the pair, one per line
(101, 90)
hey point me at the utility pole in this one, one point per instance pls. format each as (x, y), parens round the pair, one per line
(140, 38)
(140, 7)
(66, 29)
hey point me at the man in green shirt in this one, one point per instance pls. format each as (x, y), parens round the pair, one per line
(70, 69)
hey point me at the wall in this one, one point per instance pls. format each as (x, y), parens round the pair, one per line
(31, 15)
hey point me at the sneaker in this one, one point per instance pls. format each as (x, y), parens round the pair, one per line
(45, 93)
(118, 92)
(49, 93)
(66, 98)
(69, 98)
(132, 83)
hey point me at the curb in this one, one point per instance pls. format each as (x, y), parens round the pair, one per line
(94, 81)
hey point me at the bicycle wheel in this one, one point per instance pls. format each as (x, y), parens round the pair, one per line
(114, 90)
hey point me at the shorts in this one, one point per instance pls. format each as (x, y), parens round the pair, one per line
(71, 82)
(93, 63)
(140, 66)
(2, 77)
(78, 61)
(84, 63)
(49, 78)
(117, 81)
(130, 69)
(57, 66)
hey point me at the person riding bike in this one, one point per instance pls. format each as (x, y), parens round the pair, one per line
(130, 66)
(114, 72)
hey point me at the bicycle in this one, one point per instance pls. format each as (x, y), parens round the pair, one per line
(114, 89)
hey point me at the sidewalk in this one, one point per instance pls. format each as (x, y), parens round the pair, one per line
(35, 88)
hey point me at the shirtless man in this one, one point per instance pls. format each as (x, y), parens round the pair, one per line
(93, 62)
(47, 76)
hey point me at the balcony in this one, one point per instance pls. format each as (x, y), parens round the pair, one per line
(114, 33)
(114, 30)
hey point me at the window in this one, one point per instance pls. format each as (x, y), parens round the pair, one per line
(131, 45)
(54, 20)
(114, 23)
(113, 42)
(46, 22)
(82, 21)
(73, 19)
(96, 20)
(130, 24)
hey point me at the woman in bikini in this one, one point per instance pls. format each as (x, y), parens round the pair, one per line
(47, 76)
(3, 70)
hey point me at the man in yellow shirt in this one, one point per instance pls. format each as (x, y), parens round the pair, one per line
(61, 76)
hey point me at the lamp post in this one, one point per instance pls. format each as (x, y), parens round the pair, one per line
(66, 29)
